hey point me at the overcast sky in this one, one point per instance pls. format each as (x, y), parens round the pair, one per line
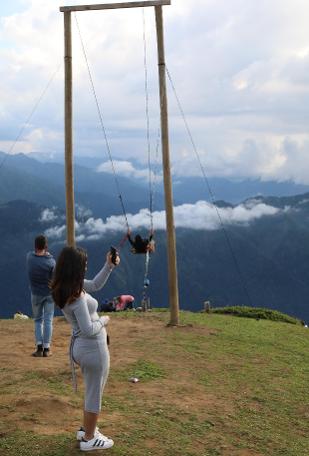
(240, 68)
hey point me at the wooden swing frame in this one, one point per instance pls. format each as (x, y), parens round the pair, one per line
(70, 211)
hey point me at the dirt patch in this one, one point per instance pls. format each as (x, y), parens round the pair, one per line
(126, 337)
(190, 406)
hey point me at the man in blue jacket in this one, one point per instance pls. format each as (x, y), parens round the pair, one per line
(40, 265)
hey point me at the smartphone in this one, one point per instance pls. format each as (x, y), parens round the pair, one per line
(114, 254)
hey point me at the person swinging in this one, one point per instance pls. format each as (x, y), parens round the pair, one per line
(141, 245)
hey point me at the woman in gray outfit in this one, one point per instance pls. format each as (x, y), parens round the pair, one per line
(89, 340)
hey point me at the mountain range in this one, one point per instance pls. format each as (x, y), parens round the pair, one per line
(42, 181)
(263, 262)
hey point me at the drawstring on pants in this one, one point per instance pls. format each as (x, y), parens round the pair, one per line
(73, 371)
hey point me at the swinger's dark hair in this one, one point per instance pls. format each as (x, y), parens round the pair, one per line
(69, 274)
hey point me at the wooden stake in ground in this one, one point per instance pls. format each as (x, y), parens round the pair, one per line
(171, 238)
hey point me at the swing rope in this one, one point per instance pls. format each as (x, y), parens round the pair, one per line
(212, 196)
(156, 165)
(146, 266)
(108, 148)
(147, 122)
(147, 136)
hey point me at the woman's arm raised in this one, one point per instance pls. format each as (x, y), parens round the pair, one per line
(101, 278)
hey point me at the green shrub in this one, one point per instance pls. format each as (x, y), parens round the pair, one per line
(256, 312)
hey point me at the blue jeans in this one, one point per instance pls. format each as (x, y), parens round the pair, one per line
(43, 313)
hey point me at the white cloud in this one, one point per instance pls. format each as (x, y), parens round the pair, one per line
(82, 212)
(48, 215)
(126, 168)
(56, 232)
(198, 216)
(240, 69)
(304, 201)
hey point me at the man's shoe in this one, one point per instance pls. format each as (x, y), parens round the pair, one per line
(39, 351)
(95, 444)
(46, 352)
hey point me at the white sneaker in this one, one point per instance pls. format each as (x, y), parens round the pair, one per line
(96, 444)
(81, 434)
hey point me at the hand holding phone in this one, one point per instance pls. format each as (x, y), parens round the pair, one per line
(114, 255)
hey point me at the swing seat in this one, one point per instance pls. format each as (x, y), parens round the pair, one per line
(150, 249)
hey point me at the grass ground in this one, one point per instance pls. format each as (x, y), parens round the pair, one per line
(219, 386)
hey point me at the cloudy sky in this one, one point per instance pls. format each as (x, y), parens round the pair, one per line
(240, 68)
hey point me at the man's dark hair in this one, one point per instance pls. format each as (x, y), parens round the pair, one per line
(40, 242)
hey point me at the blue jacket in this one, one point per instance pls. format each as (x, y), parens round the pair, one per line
(40, 270)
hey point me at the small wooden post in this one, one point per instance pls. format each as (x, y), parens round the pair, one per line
(171, 238)
(69, 182)
(207, 306)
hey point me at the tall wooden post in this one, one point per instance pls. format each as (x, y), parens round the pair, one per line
(171, 238)
(69, 182)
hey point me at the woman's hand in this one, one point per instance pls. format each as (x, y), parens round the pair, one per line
(105, 320)
(109, 259)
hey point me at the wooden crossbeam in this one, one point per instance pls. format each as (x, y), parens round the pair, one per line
(106, 6)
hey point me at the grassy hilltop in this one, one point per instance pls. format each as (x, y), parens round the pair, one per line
(220, 385)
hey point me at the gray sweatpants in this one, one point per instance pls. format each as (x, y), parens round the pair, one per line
(92, 355)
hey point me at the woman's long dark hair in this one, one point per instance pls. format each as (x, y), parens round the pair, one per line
(69, 274)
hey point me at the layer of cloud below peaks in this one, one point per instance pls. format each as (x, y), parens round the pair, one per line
(198, 216)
